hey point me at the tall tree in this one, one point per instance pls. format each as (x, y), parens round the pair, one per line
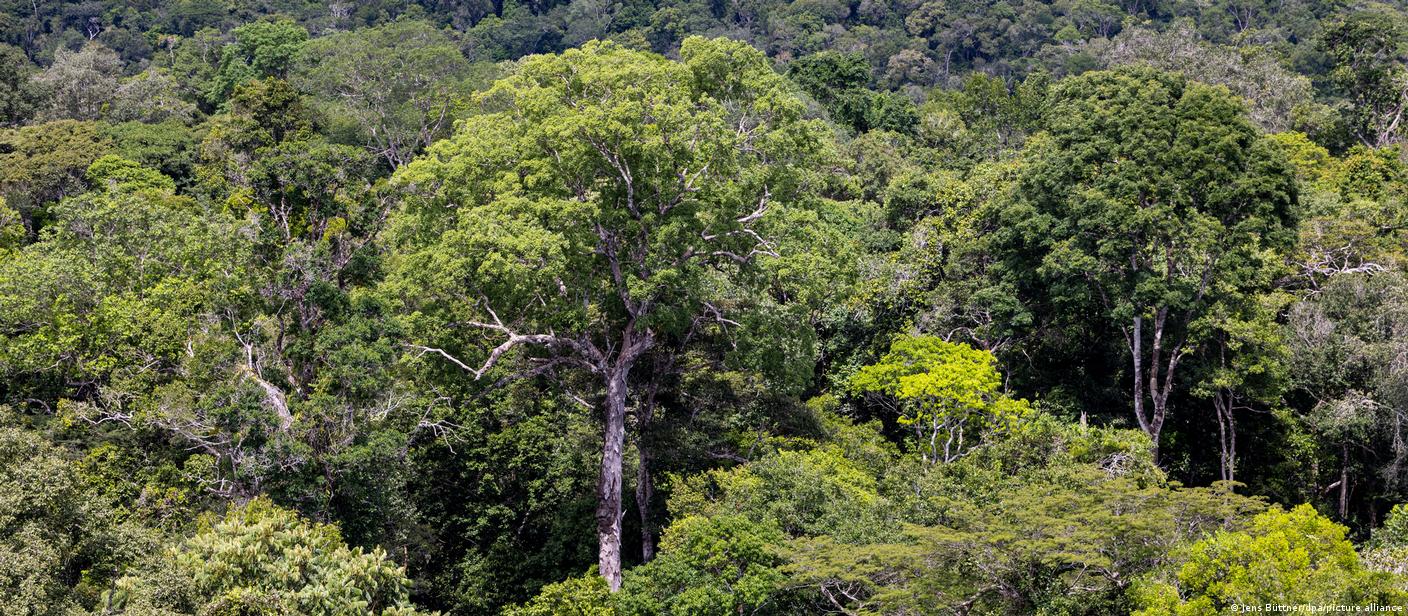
(79, 84)
(261, 50)
(1244, 368)
(398, 84)
(1346, 343)
(1149, 199)
(582, 217)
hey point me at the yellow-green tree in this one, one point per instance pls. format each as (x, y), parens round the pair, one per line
(949, 394)
(1294, 557)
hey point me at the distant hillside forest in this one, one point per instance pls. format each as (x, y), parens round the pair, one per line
(610, 308)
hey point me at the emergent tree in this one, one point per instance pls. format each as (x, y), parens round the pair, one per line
(584, 215)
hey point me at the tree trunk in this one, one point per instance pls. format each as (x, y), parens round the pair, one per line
(608, 507)
(1157, 376)
(1227, 434)
(1344, 481)
(645, 493)
(645, 486)
(1136, 352)
(1136, 349)
(1159, 391)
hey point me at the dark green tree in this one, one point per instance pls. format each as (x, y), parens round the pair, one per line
(1149, 200)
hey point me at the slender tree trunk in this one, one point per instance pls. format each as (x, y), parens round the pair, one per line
(608, 508)
(1221, 437)
(645, 493)
(1344, 481)
(645, 486)
(1151, 426)
(1227, 434)
(1159, 391)
(1156, 376)
(1137, 354)
(1231, 446)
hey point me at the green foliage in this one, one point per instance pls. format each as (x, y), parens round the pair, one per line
(839, 81)
(397, 87)
(152, 96)
(169, 147)
(1054, 519)
(1294, 557)
(112, 172)
(580, 596)
(813, 492)
(1139, 227)
(985, 116)
(12, 233)
(261, 50)
(1339, 342)
(262, 114)
(947, 392)
(79, 85)
(1278, 98)
(518, 515)
(210, 295)
(1394, 531)
(1387, 549)
(1311, 161)
(707, 566)
(43, 163)
(604, 205)
(1069, 546)
(710, 566)
(109, 288)
(58, 543)
(263, 559)
(828, 73)
(1366, 48)
(17, 95)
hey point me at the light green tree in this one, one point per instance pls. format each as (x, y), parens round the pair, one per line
(261, 50)
(152, 96)
(79, 85)
(1387, 548)
(1295, 557)
(263, 559)
(397, 84)
(11, 229)
(949, 394)
(707, 566)
(61, 543)
(43, 163)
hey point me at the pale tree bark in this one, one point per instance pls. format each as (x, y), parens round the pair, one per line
(1224, 403)
(614, 368)
(1344, 481)
(608, 507)
(1153, 376)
